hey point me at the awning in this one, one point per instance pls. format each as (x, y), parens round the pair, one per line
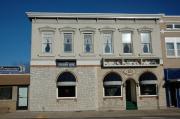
(172, 75)
(14, 79)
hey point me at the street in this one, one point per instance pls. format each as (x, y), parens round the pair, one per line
(123, 114)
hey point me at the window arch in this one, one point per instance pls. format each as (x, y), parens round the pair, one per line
(66, 85)
(112, 84)
(148, 84)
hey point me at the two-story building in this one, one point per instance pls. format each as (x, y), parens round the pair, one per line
(95, 61)
(170, 36)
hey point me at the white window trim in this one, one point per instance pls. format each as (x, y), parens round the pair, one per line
(66, 97)
(173, 40)
(150, 48)
(71, 32)
(42, 42)
(131, 43)
(112, 96)
(148, 95)
(112, 34)
(92, 33)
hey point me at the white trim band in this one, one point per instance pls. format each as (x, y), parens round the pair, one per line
(68, 83)
(107, 83)
(44, 62)
(149, 82)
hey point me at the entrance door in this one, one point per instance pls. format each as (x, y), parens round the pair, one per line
(22, 101)
(131, 99)
(173, 95)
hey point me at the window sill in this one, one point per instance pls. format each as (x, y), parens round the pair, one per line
(67, 55)
(87, 54)
(148, 96)
(66, 98)
(146, 54)
(46, 55)
(112, 97)
(173, 57)
(107, 55)
(126, 54)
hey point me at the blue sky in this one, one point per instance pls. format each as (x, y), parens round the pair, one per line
(15, 28)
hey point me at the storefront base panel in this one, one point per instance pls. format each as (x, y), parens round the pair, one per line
(112, 104)
(7, 106)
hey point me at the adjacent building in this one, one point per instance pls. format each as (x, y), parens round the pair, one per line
(170, 37)
(14, 83)
(96, 61)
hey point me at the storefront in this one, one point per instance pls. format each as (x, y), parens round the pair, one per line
(172, 77)
(13, 89)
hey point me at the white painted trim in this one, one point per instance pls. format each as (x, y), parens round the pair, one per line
(43, 62)
(148, 82)
(66, 98)
(173, 40)
(88, 62)
(148, 95)
(107, 83)
(113, 96)
(92, 15)
(174, 80)
(66, 83)
(167, 31)
(15, 74)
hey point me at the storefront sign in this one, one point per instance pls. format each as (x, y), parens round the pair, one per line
(10, 69)
(65, 63)
(132, 62)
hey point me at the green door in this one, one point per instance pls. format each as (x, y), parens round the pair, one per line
(131, 101)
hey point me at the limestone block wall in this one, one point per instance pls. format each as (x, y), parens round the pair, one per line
(143, 102)
(43, 95)
(90, 95)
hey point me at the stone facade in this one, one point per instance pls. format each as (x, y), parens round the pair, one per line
(44, 97)
(89, 70)
(43, 93)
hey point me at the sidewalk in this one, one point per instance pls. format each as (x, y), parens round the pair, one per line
(92, 114)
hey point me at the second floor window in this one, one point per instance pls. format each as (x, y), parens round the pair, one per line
(173, 47)
(68, 42)
(47, 42)
(88, 42)
(127, 42)
(107, 43)
(146, 42)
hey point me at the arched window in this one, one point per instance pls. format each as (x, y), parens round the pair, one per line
(66, 84)
(148, 84)
(112, 84)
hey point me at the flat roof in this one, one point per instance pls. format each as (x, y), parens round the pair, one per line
(92, 15)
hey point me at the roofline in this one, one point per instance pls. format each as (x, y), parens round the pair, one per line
(16, 74)
(92, 15)
(169, 16)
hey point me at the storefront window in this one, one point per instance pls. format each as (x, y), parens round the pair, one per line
(112, 85)
(148, 84)
(66, 85)
(5, 93)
